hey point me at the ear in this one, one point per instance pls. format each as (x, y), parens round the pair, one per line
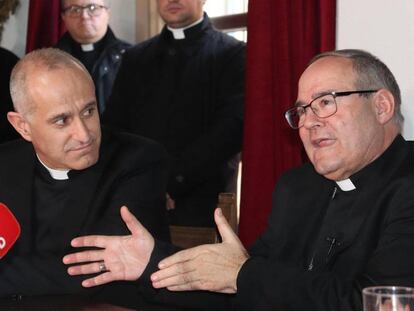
(384, 105)
(20, 124)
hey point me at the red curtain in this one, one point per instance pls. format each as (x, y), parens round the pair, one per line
(45, 26)
(283, 35)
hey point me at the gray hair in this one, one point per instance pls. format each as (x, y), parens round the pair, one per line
(371, 73)
(47, 59)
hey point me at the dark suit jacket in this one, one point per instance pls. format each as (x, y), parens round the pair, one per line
(130, 171)
(106, 64)
(187, 95)
(297, 264)
(7, 62)
(319, 253)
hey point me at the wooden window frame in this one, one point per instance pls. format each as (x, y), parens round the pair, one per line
(231, 22)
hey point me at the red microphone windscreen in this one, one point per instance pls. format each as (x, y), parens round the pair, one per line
(9, 230)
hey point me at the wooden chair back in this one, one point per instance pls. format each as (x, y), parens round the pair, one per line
(186, 237)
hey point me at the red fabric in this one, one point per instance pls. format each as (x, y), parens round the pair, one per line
(283, 35)
(45, 25)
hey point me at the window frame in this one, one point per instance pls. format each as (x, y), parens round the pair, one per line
(232, 22)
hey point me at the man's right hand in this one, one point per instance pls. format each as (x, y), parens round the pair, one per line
(118, 257)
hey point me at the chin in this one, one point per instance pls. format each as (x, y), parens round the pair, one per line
(329, 170)
(84, 163)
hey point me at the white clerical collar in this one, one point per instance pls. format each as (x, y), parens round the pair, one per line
(178, 33)
(56, 174)
(87, 47)
(346, 185)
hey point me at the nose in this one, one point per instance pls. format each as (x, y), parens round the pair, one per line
(310, 119)
(80, 131)
(85, 13)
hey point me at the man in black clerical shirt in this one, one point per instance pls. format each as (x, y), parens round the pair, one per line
(184, 88)
(343, 222)
(67, 177)
(7, 62)
(91, 40)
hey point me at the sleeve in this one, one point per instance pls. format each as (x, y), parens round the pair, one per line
(272, 283)
(122, 93)
(30, 275)
(222, 139)
(143, 190)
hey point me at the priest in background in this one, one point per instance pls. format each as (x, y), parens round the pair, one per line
(91, 40)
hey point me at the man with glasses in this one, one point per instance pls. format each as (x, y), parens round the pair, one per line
(91, 40)
(340, 223)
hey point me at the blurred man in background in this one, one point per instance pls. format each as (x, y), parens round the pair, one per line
(185, 89)
(91, 40)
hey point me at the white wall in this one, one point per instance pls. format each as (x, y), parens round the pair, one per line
(123, 19)
(386, 29)
(122, 22)
(14, 34)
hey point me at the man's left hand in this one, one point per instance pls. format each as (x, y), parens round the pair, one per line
(212, 267)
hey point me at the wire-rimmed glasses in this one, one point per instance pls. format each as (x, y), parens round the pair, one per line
(77, 10)
(323, 106)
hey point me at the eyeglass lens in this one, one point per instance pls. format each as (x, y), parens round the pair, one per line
(91, 9)
(323, 107)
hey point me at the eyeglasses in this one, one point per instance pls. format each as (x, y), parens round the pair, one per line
(77, 10)
(323, 106)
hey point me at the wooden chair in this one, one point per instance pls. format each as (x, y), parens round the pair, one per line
(186, 237)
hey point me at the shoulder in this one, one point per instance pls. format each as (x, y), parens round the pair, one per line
(120, 46)
(224, 47)
(301, 177)
(8, 56)
(13, 147)
(143, 47)
(225, 40)
(15, 151)
(65, 43)
(131, 149)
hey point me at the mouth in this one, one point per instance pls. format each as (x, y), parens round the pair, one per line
(83, 147)
(322, 142)
(173, 8)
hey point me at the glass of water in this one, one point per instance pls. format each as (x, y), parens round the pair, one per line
(388, 298)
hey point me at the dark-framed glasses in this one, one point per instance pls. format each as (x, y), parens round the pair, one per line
(77, 10)
(323, 106)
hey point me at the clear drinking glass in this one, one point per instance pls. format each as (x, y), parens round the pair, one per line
(388, 298)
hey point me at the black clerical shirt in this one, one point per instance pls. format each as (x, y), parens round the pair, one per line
(51, 197)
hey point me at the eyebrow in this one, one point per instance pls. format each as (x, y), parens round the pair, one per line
(89, 105)
(316, 95)
(59, 116)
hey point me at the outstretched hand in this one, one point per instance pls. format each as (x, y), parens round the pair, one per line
(118, 257)
(212, 267)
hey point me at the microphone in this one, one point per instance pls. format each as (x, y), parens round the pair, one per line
(9, 230)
